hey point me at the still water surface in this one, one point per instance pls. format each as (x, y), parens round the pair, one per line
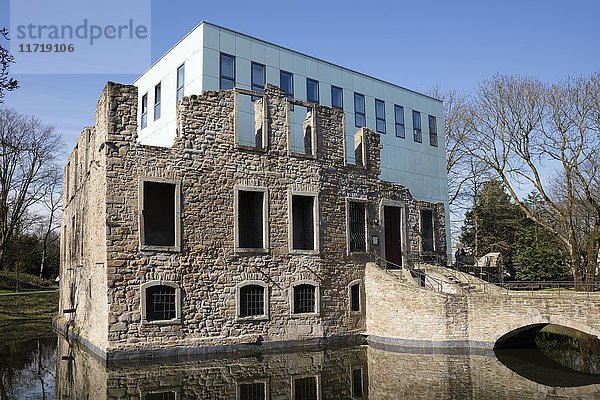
(48, 367)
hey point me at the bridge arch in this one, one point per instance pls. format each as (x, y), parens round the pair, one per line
(528, 327)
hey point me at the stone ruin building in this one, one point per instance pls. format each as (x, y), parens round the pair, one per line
(251, 228)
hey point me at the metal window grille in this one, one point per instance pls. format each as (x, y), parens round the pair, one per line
(356, 213)
(305, 388)
(252, 300)
(160, 303)
(252, 391)
(304, 299)
(355, 297)
(160, 396)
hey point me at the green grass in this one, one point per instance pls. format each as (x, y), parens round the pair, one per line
(28, 306)
(9, 280)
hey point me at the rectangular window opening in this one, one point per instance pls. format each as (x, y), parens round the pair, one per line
(303, 136)
(379, 116)
(250, 121)
(157, 100)
(399, 116)
(144, 110)
(252, 391)
(359, 110)
(433, 136)
(159, 213)
(357, 383)
(161, 396)
(312, 91)
(252, 300)
(303, 222)
(355, 297)
(357, 226)
(180, 82)
(418, 136)
(305, 388)
(427, 244)
(337, 97)
(160, 303)
(250, 214)
(227, 71)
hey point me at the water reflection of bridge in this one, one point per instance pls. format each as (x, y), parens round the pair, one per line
(362, 372)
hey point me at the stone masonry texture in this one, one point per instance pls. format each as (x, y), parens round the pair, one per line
(103, 265)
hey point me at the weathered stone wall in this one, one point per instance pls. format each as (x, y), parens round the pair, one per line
(398, 311)
(206, 162)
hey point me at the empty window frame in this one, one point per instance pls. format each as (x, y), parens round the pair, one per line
(286, 83)
(306, 388)
(357, 225)
(250, 121)
(312, 91)
(418, 136)
(160, 301)
(305, 298)
(354, 294)
(427, 237)
(252, 300)
(358, 386)
(433, 136)
(180, 82)
(227, 71)
(359, 110)
(399, 121)
(157, 100)
(304, 226)
(302, 136)
(251, 219)
(144, 121)
(380, 116)
(252, 391)
(258, 77)
(337, 97)
(159, 214)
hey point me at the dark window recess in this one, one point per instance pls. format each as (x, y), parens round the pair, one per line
(159, 214)
(337, 97)
(308, 139)
(252, 299)
(433, 136)
(250, 219)
(160, 303)
(312, 90)
(160, 396)
(355, 297)
(180, 81)
(305, 388)
(144, 110)
(252, 391)
(356, 221)
(258, 78)
(227, 74)
(304, 299)
(357, 382)
(418, 136)
(359, 110)
(399, 116)
(379, 116)
(157, 95)
(303, 222)
(427, 230)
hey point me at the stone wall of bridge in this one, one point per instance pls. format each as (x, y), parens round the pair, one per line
(400, 312)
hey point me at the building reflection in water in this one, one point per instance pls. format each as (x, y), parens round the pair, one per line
(359, 372)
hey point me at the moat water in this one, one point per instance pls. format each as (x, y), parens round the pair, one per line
(563, 366)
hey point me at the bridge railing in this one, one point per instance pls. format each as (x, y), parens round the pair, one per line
(552, 286)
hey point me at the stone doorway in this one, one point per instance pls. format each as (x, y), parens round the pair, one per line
(393, 236)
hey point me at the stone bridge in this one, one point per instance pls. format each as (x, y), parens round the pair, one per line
(401, 312)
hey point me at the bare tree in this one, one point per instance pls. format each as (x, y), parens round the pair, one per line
(52, 203)
(6, 83)
(28, 151)
(528, 132)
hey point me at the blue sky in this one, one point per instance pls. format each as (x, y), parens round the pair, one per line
(416, 44)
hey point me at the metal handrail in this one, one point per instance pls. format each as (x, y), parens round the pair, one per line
(426, 279)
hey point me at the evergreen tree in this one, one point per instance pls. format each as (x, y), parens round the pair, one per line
(537, 254)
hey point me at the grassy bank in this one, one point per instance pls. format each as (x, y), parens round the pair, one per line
(11, 281)
(27, 316)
